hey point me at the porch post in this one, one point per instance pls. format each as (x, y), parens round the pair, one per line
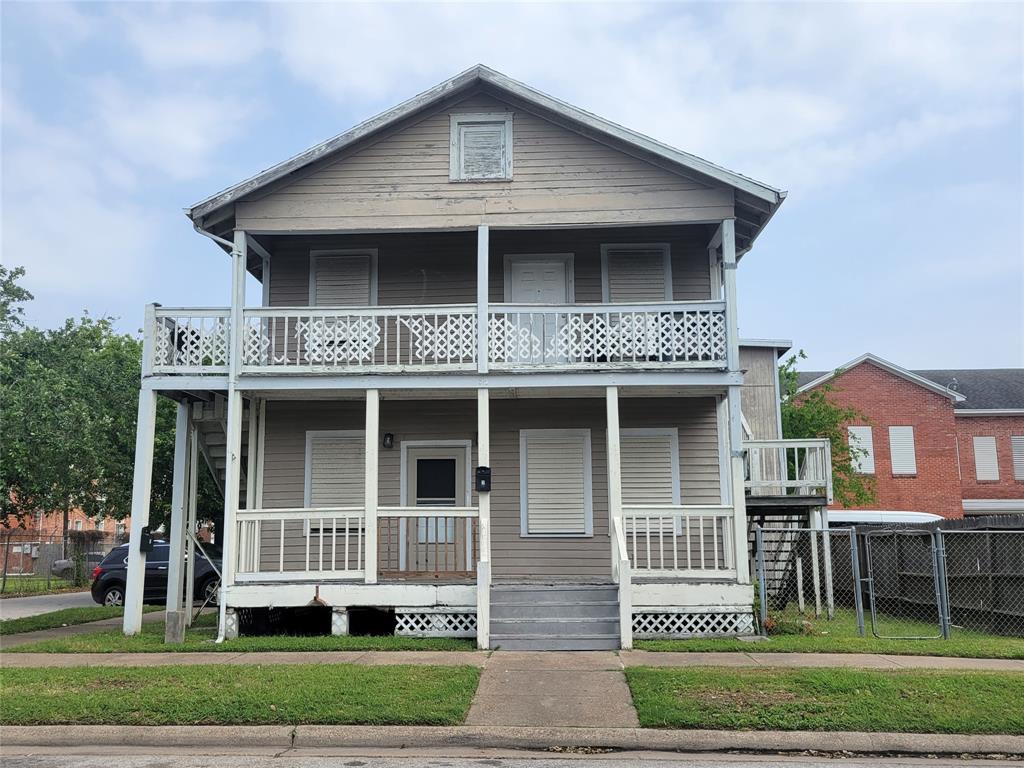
(483, 253)
(739, 500)
(370, 502)
(190, 520)
(614, 467)
(174, 627)
(145, 430)
(483, 573)
(233, 437)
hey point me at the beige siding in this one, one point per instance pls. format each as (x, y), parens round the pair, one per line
(759, 394)
(440, 268)
(513, 555)
(559, 177)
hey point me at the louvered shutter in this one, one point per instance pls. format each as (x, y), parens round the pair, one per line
(556, 482)
(901, 450)
(649, 474)
(342, 281)
(860, 438)
(482, 151)
(986, 464)
(335, 475)
(637, 274)
(1017, 447)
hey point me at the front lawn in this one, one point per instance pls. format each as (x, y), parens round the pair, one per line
(201, 636)
(64, 617)
(237, 695)
(840, 636)
(22, 586)
(828, 700)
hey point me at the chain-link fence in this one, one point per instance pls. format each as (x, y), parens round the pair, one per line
(906, 582)
(32, 563)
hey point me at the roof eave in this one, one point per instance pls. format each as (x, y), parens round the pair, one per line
(892, 368)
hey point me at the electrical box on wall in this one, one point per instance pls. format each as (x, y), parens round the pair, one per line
(145, 540)
(483, 479)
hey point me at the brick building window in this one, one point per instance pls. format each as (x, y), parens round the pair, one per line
(1017, 445)
(863, 447)
(986, 461)
(901, 451)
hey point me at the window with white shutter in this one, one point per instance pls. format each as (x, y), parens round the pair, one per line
(555, 482)
(335, 468)
(481, 147)
(862, 446)
(343, 278)
(901, 451)
(636, 273)
(986, 463)
(649, 461)
(1017, 449)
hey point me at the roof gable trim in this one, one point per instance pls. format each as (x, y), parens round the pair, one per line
(892, 368)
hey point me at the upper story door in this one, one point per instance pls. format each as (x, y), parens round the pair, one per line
(540, 279)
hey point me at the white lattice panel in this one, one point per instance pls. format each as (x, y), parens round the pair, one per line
(342, 339)
(444, 339)
(704, 624)
(191, 342)
(435, 622)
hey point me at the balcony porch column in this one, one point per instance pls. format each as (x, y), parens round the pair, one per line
(145, 431)
(370, 471)
(174, 627)
(483, 255)
(614, 465)
(483, 569)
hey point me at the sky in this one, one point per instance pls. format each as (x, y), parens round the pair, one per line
(897, 130)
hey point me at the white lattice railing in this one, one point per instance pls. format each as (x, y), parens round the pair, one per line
(680, 540)
(679, 334)
(370, 339)
(289, 544)
(193, 340)
(789, 467)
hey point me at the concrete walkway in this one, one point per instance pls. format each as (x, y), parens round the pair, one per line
(20, 607)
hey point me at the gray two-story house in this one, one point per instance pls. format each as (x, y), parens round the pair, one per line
(493, 386)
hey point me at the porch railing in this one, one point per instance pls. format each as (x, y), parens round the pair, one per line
(413, 543)
(676, 334)
(192, 340)
(789, 467)
(680, 540)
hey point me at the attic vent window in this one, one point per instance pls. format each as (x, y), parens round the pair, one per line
(481, 147)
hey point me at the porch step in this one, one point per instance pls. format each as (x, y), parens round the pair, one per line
(554, 617)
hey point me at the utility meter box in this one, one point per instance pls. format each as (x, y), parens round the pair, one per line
(483, 479)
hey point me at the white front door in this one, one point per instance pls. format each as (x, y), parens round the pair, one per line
(540, 280)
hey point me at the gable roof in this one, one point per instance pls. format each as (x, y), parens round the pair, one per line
(758, 201)
(810, 380)
(986, 389)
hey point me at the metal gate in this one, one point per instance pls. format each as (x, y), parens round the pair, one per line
(904, 579)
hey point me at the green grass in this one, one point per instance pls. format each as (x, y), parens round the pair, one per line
(237, 695)
(200, 638)
(22, 586)
(828, 700)
(840, 636)
(62, 618)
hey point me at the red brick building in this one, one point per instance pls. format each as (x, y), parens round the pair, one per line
(949, 442)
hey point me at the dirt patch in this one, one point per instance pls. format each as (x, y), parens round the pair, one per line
(741, 699)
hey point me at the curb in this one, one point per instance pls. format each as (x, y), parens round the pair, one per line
(503, 737)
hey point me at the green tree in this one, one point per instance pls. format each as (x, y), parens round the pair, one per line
(11, 295)
(813, 415)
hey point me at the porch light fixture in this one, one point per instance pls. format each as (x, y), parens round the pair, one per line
(389, 440)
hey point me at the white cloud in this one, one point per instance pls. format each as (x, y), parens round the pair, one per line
(176, 36)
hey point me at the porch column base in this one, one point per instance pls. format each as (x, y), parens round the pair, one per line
(339, 622)
(174, 627)
(230, 624)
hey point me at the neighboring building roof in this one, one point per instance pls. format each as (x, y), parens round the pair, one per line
(810, 380)
(981, 390)
(782, 345)
(762, 203)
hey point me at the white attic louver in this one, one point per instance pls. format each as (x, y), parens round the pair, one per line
(986, 463)
(861, 440)
(901, 451)
(637, 273)
(482, 150)
(1017, 447)
(334, 470)
(342, 281)
(555, 477)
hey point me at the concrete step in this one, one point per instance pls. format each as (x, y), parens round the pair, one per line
(531, 594)
(542, 642)
(597, 609)
(569, 628)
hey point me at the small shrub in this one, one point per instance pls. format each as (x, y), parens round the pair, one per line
(775, 625)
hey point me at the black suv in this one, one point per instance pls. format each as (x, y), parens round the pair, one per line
(110, 576)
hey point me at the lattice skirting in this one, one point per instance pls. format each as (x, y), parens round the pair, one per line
(702, 624)
(435, 622)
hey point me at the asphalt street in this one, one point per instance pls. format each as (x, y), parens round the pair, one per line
(20, 607)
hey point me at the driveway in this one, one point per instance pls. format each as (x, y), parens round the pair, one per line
(20, 607)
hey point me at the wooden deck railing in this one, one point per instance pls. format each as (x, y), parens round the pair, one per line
(789, 467)
(680, 541)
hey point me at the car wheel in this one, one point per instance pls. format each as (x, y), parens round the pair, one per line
(208, 592)
(114, 596)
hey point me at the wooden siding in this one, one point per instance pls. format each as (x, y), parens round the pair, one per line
(759, 394)
(402, 182)
(512, 555)
(440, 267)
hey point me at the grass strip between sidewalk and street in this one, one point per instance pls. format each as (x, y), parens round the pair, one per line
(65, 617)
(839, 635)
(201, 635)
(829, 700)
(237, 695)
